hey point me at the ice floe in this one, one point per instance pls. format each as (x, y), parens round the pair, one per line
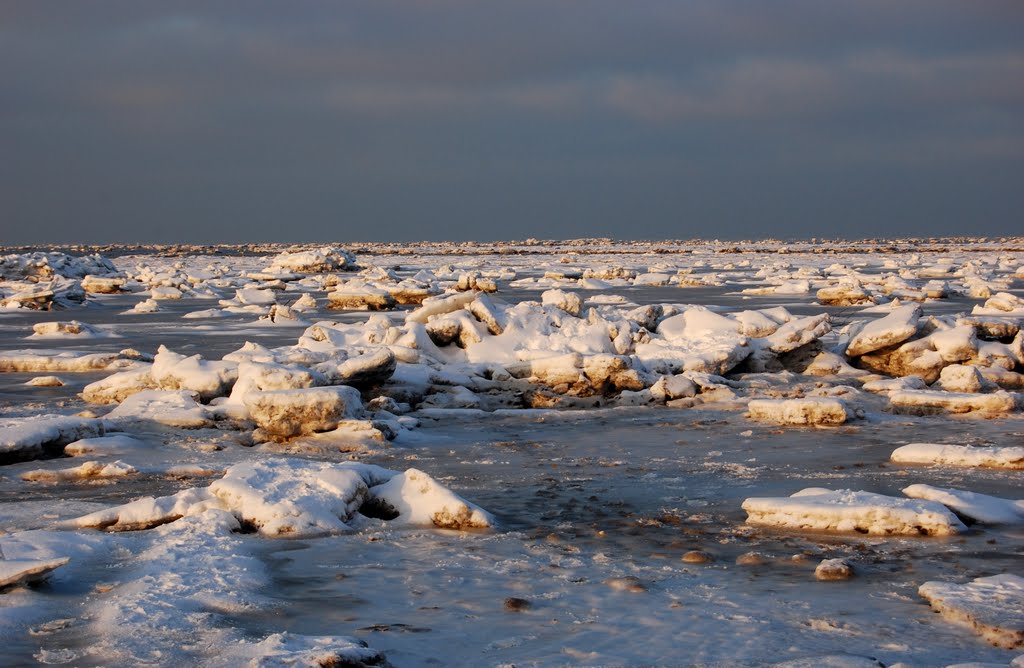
(1009, 457)
(817, 509)
(86, 471)
(993, 606)
(29, 438)
(971, 505)
(179, 408)
(73, 329)
(39, 361)
(924, 402)
(495, 337)
(297, 498)
(896, 327)
(113, 444)
(806, 411)
(282, 414)
(282, 650)
(18, 571)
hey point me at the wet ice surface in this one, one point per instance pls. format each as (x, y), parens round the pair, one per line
(585, 502)
(595, 510)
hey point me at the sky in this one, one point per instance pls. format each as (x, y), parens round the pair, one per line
(376, 120)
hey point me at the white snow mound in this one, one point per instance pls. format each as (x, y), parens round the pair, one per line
(421, 500)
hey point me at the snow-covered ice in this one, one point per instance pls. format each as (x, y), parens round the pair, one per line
(992, 606)
(818, 509)
(807, 411)
(615, 407)
(972, 505)
(300, 499)
(1008, 457)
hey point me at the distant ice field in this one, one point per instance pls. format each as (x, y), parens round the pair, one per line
(529, 454)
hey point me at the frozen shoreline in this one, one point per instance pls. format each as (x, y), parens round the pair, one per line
(595, 506)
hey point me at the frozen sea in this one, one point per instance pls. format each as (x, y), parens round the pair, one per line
(595, 508)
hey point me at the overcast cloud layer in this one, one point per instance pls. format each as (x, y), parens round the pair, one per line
(355, 121)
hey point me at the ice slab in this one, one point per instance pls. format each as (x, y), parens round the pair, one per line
(806, 411)
(18, 571)
(300, 498)
(979, 507)
(34, 437)
(817, 509)
(1011, 457)
(992, 606)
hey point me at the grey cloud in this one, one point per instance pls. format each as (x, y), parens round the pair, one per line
(174, 118)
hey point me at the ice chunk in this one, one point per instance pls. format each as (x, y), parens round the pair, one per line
(115, 388)
(1004, 301)
(961, 378)
(115, 444)
(162, 292)
(698, 323)
(292, 498)
(367, 370)
(306, 302)
(887, 385)
(418, 499)
(103, 285)
(993, 606)
(45, 381)
(831, 661)
(1011, 457)
(171, 371)
(844, 294)
(316, 261)
(18, 571)
(798, 332)
(817, 509)
(45, 265)
(490, 315)
(696, 340)
(894, 328)
(299, 498)
(254, 296)
(86, 471)
(979, 507)
(287, 650)
(361, 298)
(925, 402)
(264, 376)
(173, 409)
(37, 361)
(68, 329)
(32, 437)
(149, 512)
(569, 302)
(440, 305)
(287, 413)
(279, 314)
(806, 411)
